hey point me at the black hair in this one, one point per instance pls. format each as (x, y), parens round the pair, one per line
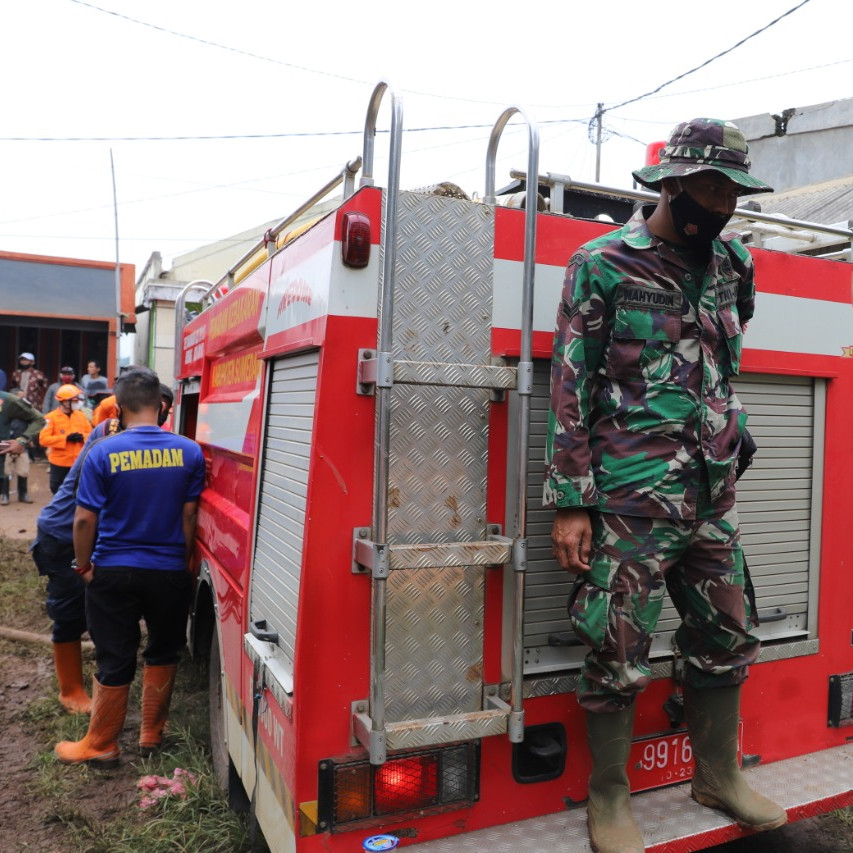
(166, 393)
(138, 388)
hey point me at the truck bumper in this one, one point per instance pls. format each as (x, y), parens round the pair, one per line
(671, 821)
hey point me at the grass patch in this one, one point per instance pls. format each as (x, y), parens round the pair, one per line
(200, 821)
(22, 590)
(843, 816)
(97, 811)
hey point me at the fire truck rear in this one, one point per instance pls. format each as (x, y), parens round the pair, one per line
(390, 658)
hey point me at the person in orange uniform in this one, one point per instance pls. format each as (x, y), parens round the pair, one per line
(105, 410)
(65, 432)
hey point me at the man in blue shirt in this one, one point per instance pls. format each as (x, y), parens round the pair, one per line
(53, 553)
(133, 532)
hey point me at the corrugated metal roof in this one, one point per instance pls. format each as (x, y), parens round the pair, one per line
(828, 203)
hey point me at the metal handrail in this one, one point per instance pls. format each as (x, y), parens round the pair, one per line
(345, 176)
(383, 401)
(200, 284)
(558, 181)
(525, 388)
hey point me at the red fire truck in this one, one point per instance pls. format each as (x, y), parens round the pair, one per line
(389, 650)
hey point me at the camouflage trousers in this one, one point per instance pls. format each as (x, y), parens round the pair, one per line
(614, 608)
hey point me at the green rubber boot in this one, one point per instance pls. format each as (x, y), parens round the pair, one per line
(712, 721)
(612, 828)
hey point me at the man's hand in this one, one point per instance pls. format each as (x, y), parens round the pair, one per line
(74, 437)
(571, 538)
(11, 448)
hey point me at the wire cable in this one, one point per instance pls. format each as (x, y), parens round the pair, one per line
(218, 44)
(262, 58)
(308, 134)
(707, 61)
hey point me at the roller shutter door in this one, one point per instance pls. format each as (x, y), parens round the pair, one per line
(777, 511)
(277, 563)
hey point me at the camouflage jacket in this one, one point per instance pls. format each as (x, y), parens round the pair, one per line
(643, 420)
(14, 408)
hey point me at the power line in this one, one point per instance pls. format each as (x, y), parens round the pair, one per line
(187, 137)
(777, 76)
(297, 135)
(708, 61)
(595, 128)
(126, 239)
(218, 44)
(262, 58)
(237, 185)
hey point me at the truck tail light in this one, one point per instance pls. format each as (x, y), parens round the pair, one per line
(354, 794)
(355, 240)
(406, 783)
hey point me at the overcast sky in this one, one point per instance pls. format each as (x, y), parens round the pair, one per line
(301, 73)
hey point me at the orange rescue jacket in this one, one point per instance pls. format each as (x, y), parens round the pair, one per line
(53, 436)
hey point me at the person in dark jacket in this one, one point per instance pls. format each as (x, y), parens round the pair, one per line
(53, 554)
(133, 552)
(66, 377)
(15, 408)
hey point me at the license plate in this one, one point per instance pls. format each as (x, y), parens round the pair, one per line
(664, 760)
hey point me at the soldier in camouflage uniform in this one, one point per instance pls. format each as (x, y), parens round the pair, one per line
(643, 438)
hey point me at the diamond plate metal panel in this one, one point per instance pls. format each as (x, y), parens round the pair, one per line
(554, 685)
(665, 815)
(789, 650)
(443, 299)
(442, 311)
(438, 456)
(437, 465)
(437, 373)
(446, 730)
(434, 643)
(448, 554)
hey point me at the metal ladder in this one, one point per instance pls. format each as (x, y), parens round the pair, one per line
(434, 356)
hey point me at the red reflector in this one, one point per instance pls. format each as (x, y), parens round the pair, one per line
(409, 783)
(355, 240)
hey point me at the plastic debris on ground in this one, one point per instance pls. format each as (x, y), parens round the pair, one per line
(155, 788)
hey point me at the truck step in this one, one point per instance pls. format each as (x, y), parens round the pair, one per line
(670, 820)
(488, 552)
(411, 734)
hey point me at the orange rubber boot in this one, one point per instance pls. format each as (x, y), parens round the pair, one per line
(68, 661)
(157, 684)
(99, 746)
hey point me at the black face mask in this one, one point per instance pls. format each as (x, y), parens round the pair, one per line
(696, 225)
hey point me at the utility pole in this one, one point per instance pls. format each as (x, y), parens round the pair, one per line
(118, 273)
(599, 112)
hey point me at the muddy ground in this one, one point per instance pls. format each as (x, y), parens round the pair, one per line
(31, 818)
(30, 821)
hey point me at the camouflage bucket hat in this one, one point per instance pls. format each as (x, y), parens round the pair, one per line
(699, 145)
